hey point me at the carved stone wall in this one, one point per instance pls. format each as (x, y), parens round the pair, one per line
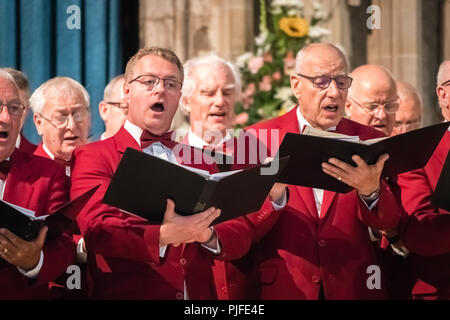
(413, 39)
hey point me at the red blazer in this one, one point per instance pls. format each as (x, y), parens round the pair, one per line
(123, 250)
(234, 278)
(303, 252)
(426, 232)
(25, 145)
(39, 185)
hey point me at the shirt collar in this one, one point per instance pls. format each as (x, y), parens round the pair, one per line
(51, 155)
(197, 142)
(302, 122)
(134, 130)
(18, 141)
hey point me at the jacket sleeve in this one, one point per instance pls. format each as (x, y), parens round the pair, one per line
(109, 231)
(426, 230)
(236, 236)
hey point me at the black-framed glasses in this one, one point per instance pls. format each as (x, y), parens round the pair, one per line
(15, 109)
(121, 105)
(61, 121)
(372, 107)
(171, 85)
(446, 83)
(323, 82)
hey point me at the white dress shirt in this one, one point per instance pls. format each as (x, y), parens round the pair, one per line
(161, 151)
(318, 193)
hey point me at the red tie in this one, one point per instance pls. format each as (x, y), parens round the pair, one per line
(5, 166)
(148, 138)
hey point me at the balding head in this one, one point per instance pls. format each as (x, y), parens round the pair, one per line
(321, 105)
(409, 114)
(373, 85)
(443, 88)
(9, 119)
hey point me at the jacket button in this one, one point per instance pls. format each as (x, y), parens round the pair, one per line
(179, 296)
(224, 290)
(321, 243)
(183, 261)
(315, 278)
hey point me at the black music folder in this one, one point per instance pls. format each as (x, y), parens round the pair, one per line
(407, 151)
(441, 195)
(142, 183)
(24, 224)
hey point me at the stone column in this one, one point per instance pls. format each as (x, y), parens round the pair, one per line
(445, 38)
(197, 27)
(403, 47)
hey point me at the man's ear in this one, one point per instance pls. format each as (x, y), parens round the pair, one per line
(442, 96)
(186, 105)
(348, 108)
(126, 92)
(295, 86)
(103, 110)
(39, 123)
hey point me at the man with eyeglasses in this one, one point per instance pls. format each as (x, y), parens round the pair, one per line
(113, 108)
(319, 248)
(372, 99)
(409, 114)
(62, 117)
(39, 185)
(24, 91)
(133, 258)
(426, 233)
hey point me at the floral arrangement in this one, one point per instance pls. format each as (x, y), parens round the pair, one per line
(265, 72)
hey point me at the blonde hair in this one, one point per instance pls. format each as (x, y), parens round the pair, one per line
(164, 53)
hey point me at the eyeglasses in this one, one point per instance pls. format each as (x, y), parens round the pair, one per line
(121, 105)
(323, 82)
(171, 85)
(409, 125)
(14, 109)
(372, 107)
(446, 83)
(60, 121)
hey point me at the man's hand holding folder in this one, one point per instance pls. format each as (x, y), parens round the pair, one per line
(176, 229)
(364, 177)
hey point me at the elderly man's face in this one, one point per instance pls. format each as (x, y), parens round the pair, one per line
(64, 124)
(114, 111)
(153, 110)
(322, 108)
(408, 117)
(211, 104)
(374, 90)
(9, 125)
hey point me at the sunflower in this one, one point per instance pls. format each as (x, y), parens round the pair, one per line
(294, 26)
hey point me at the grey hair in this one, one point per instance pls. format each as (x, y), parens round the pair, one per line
(6, 75)
(305, 50)
(190, 65)
(57, 87)
(108, 89)
(443, 69)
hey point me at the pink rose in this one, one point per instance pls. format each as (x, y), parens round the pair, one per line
(267, 57)
(289, 63)
(266, 83)
(276, 76)
(241, 118)
(255, 64)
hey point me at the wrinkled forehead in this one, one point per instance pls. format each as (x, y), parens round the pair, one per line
(323, 62)
(63, 100)
(213, 73)
(8, 90)
(158, 67)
